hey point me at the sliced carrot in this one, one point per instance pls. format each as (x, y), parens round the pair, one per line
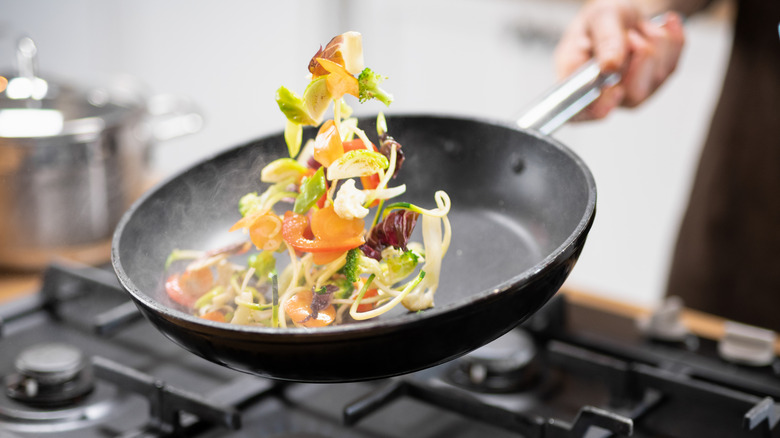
(266, 232)
(187, 287)
(298, 307)
(264, 229)
(368, 306)
(339, 81)
(246, 221)
(215, 315)
(295, 229)
(175, 292)
(323, 258)
(326, 225)
(327, 144)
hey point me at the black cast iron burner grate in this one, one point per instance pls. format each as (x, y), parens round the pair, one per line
(590, 421)
(645, 388)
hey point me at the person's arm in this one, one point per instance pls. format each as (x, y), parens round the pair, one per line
(622, 37)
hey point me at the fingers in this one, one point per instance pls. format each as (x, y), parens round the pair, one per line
(613, 32)
(655, 50)
(639, 76)
(600, 32)
(573, 50)
(673, 40)
(611, 98)
(607, 26)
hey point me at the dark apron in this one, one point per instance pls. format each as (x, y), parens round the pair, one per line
(727, 258)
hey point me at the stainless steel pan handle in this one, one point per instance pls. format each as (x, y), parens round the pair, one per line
(566, 99)
(570, 96)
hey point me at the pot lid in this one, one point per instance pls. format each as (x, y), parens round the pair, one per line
(31, 106)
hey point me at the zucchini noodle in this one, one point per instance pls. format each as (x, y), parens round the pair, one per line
(353, 312)
(296, 271)
(330, 269)
(307, 266)
(234, 295)
(337, 114)
(334, 266)
(436, 247)
(386, 193)
(269, 203)
(361, 134)
(384, 179)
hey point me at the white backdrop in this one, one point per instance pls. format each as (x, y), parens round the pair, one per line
(467, 57)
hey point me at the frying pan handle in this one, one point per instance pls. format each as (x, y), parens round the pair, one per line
(566, 99)
(570, 96)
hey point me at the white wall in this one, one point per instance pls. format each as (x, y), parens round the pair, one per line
(486, 58)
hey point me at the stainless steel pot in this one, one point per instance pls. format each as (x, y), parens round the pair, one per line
(71, 162)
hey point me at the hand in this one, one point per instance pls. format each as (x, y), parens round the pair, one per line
(621, 39)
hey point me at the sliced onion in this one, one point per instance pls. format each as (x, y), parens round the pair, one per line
(281, 169)
(360, 162)
(388, 193)
(352, 52)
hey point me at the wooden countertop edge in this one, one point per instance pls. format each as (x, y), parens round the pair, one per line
(13, 286)
(699, 323)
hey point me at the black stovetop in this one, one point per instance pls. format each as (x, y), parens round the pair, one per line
(594, 374)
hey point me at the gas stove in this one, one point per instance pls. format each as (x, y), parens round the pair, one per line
(78, 360)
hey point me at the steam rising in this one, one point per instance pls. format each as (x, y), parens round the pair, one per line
(504, 222)
(193, 210)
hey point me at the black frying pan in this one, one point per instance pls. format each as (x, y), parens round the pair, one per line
(522, 205)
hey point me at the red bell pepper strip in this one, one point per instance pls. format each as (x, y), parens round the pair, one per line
(295, 226)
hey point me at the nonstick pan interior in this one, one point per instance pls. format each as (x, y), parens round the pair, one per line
(521, 207)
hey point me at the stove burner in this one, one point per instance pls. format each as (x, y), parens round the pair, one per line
(48, 375)
(504, 365)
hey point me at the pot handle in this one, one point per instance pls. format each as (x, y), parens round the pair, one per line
(173, 116)
(567, 98)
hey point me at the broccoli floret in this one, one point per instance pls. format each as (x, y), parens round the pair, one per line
(368, 83)
(263, 263)
(340, 287)
(401, 265)
(248, 202)
(351, 265)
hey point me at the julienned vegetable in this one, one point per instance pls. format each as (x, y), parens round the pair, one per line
(338, 261)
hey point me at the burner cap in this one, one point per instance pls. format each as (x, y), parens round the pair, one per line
(50, 364)
(50, 374)
(504, 365)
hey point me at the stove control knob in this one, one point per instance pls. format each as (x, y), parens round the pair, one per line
(665, 323)
(747, 345)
